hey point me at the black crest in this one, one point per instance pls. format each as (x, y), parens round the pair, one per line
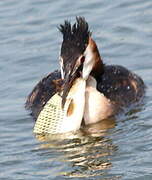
(75, 38)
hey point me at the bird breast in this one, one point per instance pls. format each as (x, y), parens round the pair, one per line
(97, 106)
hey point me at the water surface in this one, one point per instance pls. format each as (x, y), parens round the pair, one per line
(29, 49)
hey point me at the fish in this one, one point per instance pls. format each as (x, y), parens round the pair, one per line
(55, 119)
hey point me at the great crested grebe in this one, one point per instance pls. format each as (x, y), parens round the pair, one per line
(109, 88)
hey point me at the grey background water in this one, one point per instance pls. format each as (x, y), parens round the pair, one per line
(29, 49)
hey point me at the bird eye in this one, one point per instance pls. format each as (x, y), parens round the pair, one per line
(82, 59)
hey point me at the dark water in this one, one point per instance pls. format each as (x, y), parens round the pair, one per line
(29, 49)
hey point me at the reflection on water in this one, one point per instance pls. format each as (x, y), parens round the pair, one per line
(88, 152)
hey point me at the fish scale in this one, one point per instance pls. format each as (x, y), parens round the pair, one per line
(51, 117)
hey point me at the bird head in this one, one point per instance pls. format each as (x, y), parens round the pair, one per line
(78, 53)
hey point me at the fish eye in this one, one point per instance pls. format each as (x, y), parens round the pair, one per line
(82, 59)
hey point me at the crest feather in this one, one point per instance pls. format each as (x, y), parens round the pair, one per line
(80, 29)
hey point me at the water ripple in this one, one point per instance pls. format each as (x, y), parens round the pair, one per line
(30, 43)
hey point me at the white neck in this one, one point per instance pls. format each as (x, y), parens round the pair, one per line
(97, 106)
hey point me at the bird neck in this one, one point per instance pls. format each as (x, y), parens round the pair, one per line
(98, 67)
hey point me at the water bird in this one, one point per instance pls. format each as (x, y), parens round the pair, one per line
(109, 88)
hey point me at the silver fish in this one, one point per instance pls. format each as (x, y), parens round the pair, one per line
(53, 119)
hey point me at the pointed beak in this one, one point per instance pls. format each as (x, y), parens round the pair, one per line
(72, 71)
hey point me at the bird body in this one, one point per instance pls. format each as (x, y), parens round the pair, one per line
(109, 88)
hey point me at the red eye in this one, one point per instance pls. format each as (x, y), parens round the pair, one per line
(82, 59)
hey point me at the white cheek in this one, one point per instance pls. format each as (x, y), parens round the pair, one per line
(88, 63)
(61, 68)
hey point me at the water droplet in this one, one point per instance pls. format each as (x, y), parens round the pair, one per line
(128, 87)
